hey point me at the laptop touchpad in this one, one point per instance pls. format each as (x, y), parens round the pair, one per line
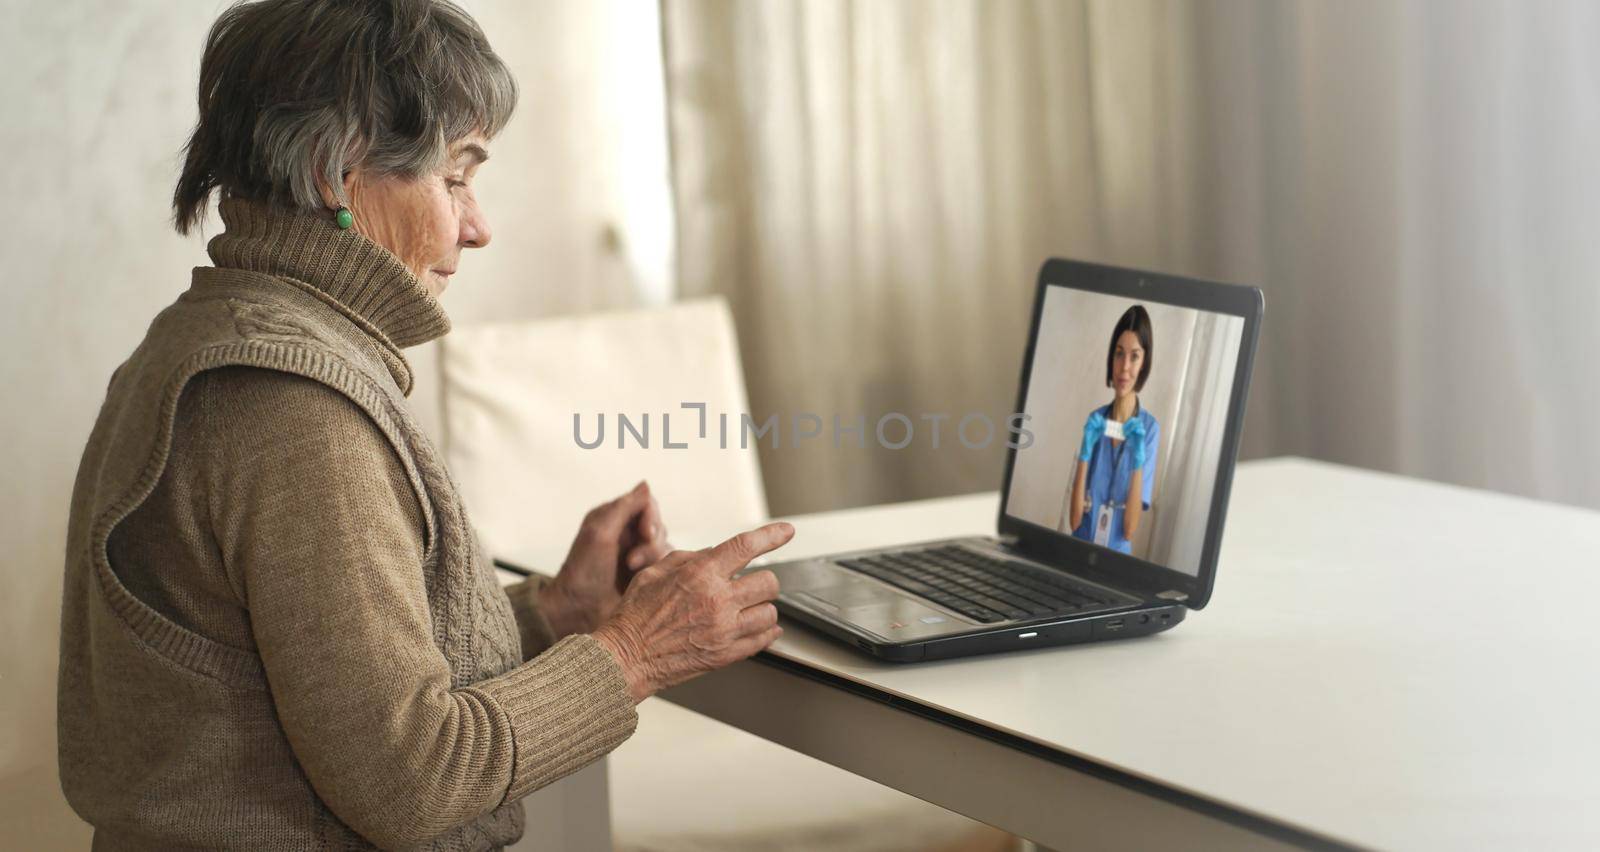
(851, 594)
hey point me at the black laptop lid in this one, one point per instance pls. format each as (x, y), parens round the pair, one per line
(1133, 388)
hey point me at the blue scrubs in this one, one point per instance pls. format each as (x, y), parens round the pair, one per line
(1110, 469)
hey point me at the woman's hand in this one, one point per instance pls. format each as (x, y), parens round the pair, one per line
(687, 614)
(1093, 429)
(1133, 437)
(615, 540)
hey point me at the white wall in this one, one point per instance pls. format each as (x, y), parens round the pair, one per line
(98, 96)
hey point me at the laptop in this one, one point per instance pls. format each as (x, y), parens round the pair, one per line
(1115, 489)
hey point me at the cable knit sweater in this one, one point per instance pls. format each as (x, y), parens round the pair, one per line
(278, 630)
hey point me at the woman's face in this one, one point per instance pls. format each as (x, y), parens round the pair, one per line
(425, 221)
(1126, 362)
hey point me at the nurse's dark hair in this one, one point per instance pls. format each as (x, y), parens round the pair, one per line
(295, 93)
(1137, 320)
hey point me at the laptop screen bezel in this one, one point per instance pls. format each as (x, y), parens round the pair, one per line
(1101, 564)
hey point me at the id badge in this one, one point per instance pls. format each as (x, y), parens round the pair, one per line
(1102, 525)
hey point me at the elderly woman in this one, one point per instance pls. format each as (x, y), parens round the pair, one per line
(278, 630)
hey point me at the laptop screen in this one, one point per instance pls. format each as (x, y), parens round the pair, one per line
(1127, 403)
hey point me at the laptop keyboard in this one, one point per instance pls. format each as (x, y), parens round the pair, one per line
(983, 588)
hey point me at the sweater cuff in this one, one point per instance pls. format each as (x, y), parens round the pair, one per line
(567, 708)
(532, 627)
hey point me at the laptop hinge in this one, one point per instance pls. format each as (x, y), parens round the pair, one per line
(1172, 595)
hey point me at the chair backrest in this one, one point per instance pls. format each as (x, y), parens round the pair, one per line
(511, 391)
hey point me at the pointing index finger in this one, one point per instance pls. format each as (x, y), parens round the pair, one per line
(736, 552)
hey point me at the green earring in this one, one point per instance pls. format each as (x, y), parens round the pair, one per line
(344, 218)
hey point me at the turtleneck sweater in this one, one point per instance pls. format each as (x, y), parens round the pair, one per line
(279, 631)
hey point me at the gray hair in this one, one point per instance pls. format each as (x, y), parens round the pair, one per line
(297, 92)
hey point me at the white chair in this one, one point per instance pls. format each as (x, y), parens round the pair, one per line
(683, 782)
(511, 392)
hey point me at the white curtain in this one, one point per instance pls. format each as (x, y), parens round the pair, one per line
(874, 183)
(1417, 186)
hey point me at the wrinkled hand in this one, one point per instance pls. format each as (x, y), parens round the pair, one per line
(687, 614)
(615, 540)
(1134, 439)
(1093, 429)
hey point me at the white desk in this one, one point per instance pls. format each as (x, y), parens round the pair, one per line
(1386, 663)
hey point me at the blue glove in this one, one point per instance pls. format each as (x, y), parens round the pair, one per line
(1133, 438)
(1093, 430)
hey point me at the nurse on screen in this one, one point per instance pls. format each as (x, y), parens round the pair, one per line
(1116, 466)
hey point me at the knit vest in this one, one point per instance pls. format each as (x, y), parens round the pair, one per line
(122, 662)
